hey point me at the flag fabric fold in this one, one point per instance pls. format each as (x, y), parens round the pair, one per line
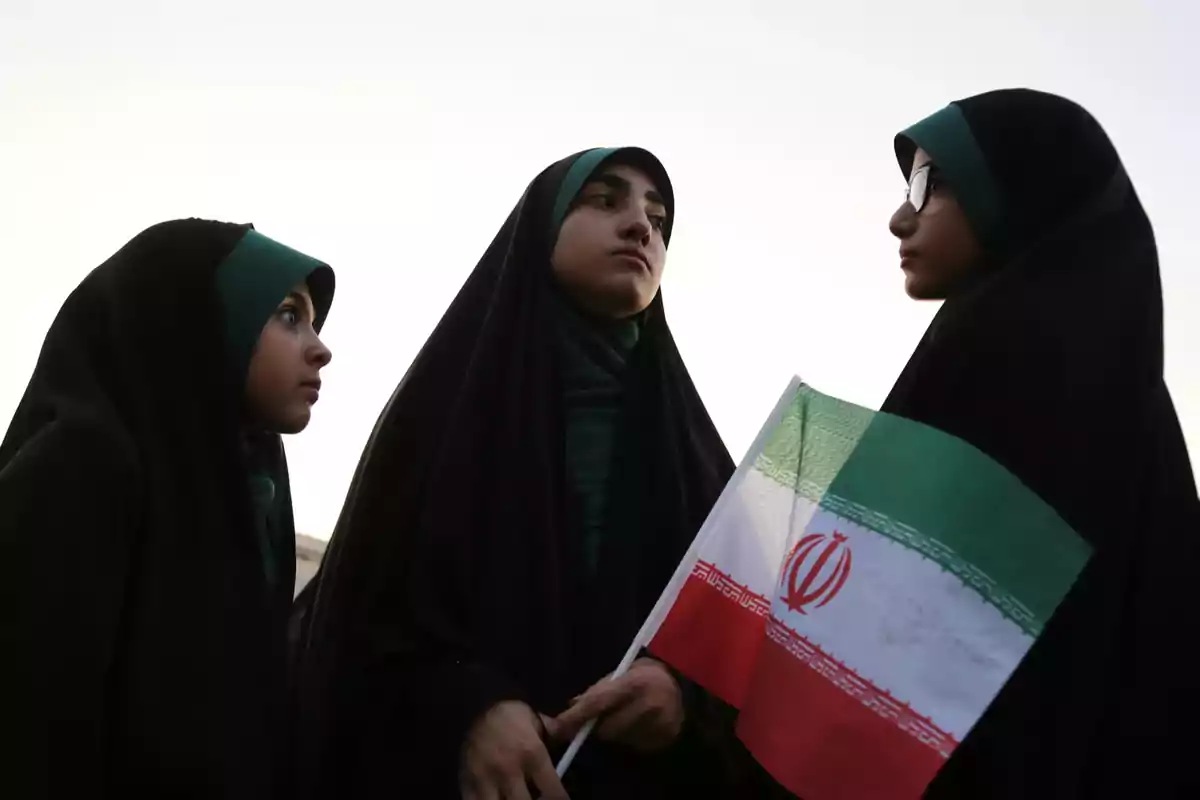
(861, 591)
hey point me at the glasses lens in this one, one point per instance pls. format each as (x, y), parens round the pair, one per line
(918, 187)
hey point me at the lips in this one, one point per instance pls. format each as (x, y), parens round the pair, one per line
(312, 389)
(632, 253)
(906, 255)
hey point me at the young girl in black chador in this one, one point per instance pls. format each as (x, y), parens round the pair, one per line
(145, 514)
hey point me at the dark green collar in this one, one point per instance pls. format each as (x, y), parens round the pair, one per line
(605, 342)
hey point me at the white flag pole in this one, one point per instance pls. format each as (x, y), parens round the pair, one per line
(684, 570)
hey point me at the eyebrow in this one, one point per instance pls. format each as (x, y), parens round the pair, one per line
(621, 185)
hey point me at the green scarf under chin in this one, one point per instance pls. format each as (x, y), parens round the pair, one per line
(592, 356)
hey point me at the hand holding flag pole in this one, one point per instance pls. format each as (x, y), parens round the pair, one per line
(564, 763)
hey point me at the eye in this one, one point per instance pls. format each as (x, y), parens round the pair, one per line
(602, 200)
(658, 221)
(937, 182)
(289, 316)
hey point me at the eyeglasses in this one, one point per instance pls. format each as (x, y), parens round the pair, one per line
(919, 185)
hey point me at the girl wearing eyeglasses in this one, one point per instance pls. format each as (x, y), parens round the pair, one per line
(1048, 355)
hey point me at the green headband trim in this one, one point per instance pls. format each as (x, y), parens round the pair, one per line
(947, 138)
(251, 283)
(576, 177)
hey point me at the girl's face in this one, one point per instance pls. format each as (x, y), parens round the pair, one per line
(285, 370)
(938, 249)
(610, 252)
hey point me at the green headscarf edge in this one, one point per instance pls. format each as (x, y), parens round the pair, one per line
(947, 137)
(251, 283)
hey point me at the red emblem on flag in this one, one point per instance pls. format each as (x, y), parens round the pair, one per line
(807, 580)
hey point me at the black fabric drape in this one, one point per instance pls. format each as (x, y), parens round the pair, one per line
(455, 576)
(143, 647)
(1052, 363)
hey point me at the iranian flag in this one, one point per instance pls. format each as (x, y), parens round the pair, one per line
(861, 591)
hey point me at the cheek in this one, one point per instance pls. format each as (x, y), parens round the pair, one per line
(560, 259)
(966, 245)
(946, 235)
(563, 255)
(658, 257)
(272, 360)
(574, 257)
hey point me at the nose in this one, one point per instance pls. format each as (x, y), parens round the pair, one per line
(318, 354)
(903, 223)
(636, 227)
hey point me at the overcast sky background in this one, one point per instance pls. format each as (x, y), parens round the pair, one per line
(392, 141)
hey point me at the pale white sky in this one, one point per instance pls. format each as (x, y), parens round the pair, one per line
(392, 140)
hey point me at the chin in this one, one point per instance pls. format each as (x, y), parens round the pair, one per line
(630, 304)
(918, 289)
(631, 310)
(631, 292)
(293, 423)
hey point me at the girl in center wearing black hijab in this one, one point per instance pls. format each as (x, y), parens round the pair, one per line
(523, 500)
(1048, 356)
(146, 520)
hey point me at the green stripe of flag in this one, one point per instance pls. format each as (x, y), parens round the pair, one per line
(932, 493)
